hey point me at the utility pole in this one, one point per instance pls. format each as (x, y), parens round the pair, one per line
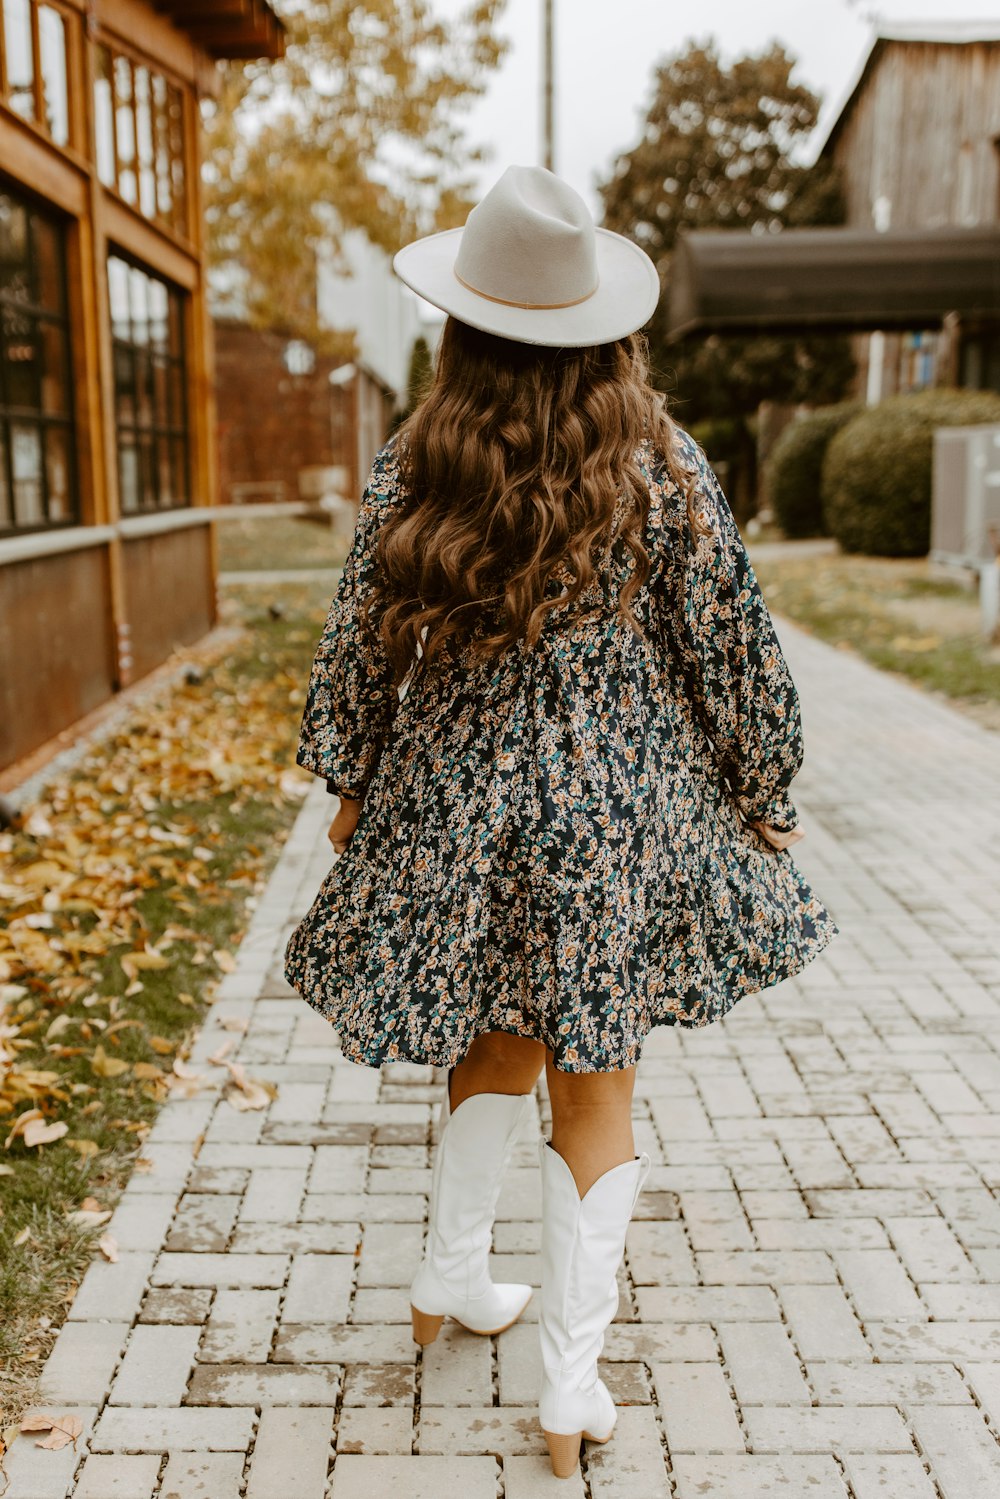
(548, 88)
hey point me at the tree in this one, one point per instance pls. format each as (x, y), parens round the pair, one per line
(355, 127)
(418, 378)
(717, 151)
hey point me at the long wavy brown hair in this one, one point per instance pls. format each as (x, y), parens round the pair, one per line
(513, 466)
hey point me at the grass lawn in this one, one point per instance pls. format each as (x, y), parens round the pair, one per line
(277, 541)
(892, 611)
(125, 889)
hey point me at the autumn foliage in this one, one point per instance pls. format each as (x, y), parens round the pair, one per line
(357, 127)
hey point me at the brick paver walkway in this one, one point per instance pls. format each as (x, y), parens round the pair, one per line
(811, 1299)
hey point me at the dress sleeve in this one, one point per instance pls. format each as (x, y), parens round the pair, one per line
(350, 699)
(721, 628)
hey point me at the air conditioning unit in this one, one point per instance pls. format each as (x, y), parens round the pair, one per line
(965, 509)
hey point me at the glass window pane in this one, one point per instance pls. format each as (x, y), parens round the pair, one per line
(158, 306)
(37, 481)
(52, 40)
(47, 254)
(57, 473)
(161, 138)
(26, 462)
(165, 477)
(175, 111)
(55, 386)
(138, 305)
(104, 118)
(14, 278)
(20, 353)
(118, 291)
(143, 389)
(161, 395)
(180, 471)
(6, 515)
(124, 386)
(125, 129)
(147, 471)
(177, 396)
(149, 389)
(19, 57)
(176, 326)
(144, 142)
(128, 474)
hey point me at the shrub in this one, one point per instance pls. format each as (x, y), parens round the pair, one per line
(722, 438)
(795, 468)
(876, 483)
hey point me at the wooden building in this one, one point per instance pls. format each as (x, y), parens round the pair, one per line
(918, 144)
(914, 273)
(107, 462)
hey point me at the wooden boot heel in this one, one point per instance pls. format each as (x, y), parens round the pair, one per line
(564, 1452)
(426, 1326)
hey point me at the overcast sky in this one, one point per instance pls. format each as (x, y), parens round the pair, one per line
(607, 49)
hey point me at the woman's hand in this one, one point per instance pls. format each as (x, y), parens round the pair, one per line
(342, 827)
(777, 838)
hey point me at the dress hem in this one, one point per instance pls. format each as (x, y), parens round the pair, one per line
(727, 1001)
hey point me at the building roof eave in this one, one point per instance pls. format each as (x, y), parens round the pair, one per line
(737, 282)
(228, 29)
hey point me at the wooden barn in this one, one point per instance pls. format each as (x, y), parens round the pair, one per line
(107, 463)
(918, 144)
(915, 271)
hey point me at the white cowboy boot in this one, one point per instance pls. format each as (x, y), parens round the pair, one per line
(453, 1280)
(583, 1241)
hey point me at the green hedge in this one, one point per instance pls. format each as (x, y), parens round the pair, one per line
(795, 467)
(876, 478)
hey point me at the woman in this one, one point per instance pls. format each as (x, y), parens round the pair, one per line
(551, 701)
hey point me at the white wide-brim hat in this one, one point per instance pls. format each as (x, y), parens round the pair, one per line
(531, 265)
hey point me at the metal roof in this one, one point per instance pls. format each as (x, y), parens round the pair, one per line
(831, 279)
(228, 28)
(933, 33)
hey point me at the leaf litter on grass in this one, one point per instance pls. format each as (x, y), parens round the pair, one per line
(123, 894)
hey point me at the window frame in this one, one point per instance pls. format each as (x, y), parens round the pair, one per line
(176, 435)
(11, 415)
(178, 224)
(38, 121)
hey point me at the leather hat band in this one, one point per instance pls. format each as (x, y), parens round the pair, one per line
(538, 306)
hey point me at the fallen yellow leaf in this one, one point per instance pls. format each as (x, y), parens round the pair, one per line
(90, 1218)
(37, 1132)
(86, 1148)
(106, 1066)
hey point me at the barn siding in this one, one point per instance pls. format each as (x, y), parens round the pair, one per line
(922, 132)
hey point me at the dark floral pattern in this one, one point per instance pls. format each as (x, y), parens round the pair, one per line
(557, 844)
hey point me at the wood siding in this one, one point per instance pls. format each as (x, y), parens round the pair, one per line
(56, 646)
(922, 133)
(169, 593)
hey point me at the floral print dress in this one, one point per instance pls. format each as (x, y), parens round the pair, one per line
(556, 844)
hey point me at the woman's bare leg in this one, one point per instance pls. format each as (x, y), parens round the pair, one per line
(591, 1120)
(496, 1063)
